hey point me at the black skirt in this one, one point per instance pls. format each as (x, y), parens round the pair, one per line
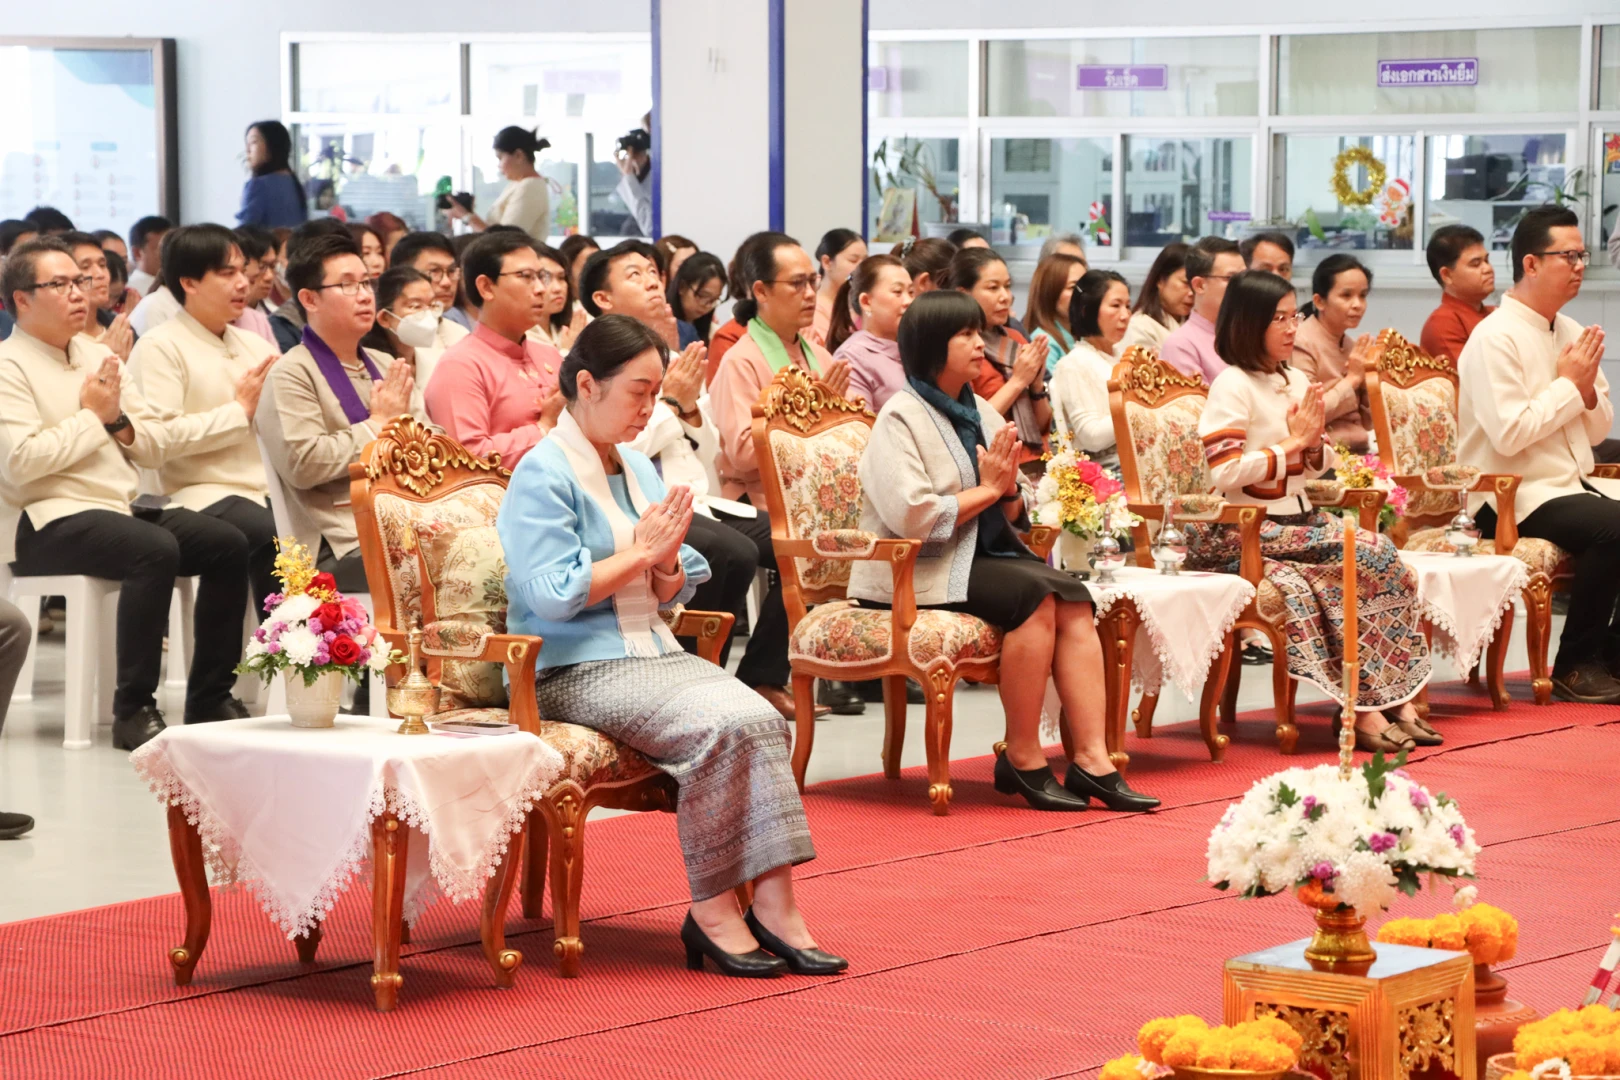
(1005, 591)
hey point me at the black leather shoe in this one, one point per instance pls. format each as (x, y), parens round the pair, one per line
(799, 961)
(844, 698)
(232, 708)
(1038, 787)
(1589, 683)
(14, 825)
(1110, 790)
(138, 728)
(758, 964)
(872, 691)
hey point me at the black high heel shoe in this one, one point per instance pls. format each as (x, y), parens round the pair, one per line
(1038, 786)
(799, 961)
(751, 965)
(1110, 790)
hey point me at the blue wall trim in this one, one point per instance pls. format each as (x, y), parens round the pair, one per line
(777, 48)
(657, 120)
(866, 134)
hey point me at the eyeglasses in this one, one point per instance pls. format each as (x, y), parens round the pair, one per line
(351, 288)
(531, 278)
(1217, 277)
(443, 273)
(62, 285)
(1574, 258)
(797, 284)
(1287, 320)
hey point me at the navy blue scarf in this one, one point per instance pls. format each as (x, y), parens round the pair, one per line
(995, 534)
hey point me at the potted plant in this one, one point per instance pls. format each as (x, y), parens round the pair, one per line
(914, 167)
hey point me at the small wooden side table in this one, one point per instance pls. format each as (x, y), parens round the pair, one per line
(1413, 1012)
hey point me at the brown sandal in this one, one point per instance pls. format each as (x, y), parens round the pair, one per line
(1392, 740)
(1420, 731)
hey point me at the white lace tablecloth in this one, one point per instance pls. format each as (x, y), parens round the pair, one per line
(288, 810)
(1185, 620)
(1464, 599)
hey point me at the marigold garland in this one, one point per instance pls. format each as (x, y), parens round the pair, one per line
(1347, 195)
(1488, 933)
(1263, 1044)
(1588, 1040)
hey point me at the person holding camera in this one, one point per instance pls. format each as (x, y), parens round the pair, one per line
(634, 158)
(526, 202)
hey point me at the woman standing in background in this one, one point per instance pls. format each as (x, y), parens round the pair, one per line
(272, 196)
(526, 202)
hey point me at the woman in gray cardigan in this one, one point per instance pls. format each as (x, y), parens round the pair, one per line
(941, 467)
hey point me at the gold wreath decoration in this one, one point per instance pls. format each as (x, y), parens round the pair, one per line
(1347, 195)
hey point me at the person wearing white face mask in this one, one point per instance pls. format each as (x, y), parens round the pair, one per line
(407, 321)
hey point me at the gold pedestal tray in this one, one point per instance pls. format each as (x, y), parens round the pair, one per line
(1411, 1011)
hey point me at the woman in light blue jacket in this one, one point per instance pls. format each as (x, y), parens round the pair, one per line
(594, 548)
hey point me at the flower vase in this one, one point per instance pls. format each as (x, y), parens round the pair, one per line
(1074, 552)
(1497, 1018)
(1340, 943)
(314, 705)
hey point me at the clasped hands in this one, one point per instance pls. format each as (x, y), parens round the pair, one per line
(1306, 420)
(1579, 360)
(662, 529)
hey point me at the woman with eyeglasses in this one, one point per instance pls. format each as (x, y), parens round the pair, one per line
(1262, 430)
(1324, 353)
(694, 293)
(561, 319)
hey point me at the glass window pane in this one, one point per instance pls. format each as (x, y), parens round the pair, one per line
(378, 77)
(1609, 196)
(1310, 206)
(1503, 71)
(606, 87)
(917, 78)
(1181, 189)
(1609, 68)
(1042, 186)
(1213, 76)
(923, 174)
(80, 134)
(371, 165)
(1489, 181)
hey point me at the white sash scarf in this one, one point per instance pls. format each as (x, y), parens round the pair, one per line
(634, 605)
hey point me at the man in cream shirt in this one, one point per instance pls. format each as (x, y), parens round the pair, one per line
(68, 453)
(200, 371)
(1533, 401)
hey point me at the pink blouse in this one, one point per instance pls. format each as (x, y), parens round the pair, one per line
(486, 392)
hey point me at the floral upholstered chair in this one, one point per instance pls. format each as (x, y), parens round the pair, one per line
(809, 443)
(425, 510)
(1414, 407)
(1156, 410)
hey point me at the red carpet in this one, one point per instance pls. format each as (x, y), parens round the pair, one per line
(997, 942)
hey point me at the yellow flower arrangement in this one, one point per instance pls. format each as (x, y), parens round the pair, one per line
(1124, 1067)
(294, 566)
(1487, 933)
(1266, 1044)
(1348, 159)
(1588, 1040)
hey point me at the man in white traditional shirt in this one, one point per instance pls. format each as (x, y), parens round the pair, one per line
(1533, 401)
(68, 453)
(200, 373)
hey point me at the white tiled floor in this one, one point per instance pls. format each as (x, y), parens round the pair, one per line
(101, 836)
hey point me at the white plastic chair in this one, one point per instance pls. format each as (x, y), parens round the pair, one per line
(292, 521)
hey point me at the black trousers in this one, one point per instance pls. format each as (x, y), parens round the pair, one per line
(765, 661)
(1588, 527)
(258, 527)
(349, 571)
(145, 552)
(732, 558)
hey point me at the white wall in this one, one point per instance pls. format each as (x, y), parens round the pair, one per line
(229, 58)
(715, 116)
(1010, 14)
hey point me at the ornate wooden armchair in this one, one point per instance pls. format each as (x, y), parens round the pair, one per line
(1414, 406)
(809, 442)
(425, 511)
(1156, 410)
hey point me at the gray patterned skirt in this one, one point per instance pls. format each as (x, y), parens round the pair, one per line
(739, 813)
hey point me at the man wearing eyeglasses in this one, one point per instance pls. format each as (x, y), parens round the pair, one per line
(327, 397)
(430, 254)
(68, 454)
(1190, 348)
(1532, 400)
(495, 390)
(287, 321)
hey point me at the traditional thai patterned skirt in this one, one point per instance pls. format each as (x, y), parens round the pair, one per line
(1304, 559)
(738, 812)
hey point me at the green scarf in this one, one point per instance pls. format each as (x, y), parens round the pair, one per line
(775, 352)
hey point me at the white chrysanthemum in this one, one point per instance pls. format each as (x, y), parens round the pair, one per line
(1465, 897)
(1366, 883)
(255, 648)
(295, 609)
(379, 657)
(1049, 513)
(299, 645)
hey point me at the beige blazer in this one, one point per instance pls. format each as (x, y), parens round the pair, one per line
(1516, 415)
(913, 470)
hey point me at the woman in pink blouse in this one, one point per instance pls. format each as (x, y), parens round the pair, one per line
(1324, 354)
(874, 298)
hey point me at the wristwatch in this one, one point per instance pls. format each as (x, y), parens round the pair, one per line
(117, 425)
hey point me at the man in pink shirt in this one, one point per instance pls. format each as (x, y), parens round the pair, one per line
(495, 390)
(1190, 348)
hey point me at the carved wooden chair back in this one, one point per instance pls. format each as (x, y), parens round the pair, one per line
(1414, 406)
(1156, 410)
